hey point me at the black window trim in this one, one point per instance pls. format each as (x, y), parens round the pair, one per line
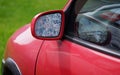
(93, 46)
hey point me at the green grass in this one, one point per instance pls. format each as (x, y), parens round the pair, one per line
(16, 13)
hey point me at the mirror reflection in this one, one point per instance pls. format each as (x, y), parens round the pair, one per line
(48, 25)
(92, 30)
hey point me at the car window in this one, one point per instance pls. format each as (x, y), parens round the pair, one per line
(99, 22)
(91, 30)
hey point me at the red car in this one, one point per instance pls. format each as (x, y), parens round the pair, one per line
(71, 41)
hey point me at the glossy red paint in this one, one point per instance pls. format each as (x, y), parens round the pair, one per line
(23, 48)
(45, 13)
(67, 58)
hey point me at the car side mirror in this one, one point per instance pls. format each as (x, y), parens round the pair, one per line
(48, 25)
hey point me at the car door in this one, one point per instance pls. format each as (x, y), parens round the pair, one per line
(80, 53)
(68, 58)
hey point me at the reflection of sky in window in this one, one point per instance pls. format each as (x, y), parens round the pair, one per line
(117, 10)
(87, 25)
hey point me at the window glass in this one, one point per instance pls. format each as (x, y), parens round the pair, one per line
(92, 5)
(99, 23)
(91, 30)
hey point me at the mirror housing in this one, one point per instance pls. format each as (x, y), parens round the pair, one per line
(48, 25)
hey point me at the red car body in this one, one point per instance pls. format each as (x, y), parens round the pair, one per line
(33, 56)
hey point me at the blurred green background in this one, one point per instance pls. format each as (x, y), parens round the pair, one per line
(17, 13)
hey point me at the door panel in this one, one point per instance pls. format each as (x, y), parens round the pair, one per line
(67, 58)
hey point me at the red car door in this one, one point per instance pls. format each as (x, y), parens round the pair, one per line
(80, 54)
(68, 58)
